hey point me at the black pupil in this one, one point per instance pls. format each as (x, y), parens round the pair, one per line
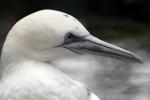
(69, 37)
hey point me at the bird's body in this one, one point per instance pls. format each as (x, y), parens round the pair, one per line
(38, 81)
(39, 38)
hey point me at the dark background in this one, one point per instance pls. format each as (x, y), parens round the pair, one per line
(113, 18)
(122, 22)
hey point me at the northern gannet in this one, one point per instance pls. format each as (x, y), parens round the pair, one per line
(40, 38)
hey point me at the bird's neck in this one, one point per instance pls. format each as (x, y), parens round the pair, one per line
(11, 54)
(14, 52)
(13, 57)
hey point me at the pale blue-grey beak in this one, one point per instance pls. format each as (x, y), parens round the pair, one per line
(91, 44)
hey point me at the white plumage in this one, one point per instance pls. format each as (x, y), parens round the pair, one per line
(31, 45)
(38, 81)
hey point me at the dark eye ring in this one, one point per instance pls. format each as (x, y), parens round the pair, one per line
(70, 36)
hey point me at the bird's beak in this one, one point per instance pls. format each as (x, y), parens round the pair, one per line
(91, 44)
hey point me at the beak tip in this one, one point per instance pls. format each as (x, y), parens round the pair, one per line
(138, 59)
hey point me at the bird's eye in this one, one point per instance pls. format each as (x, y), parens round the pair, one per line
(69, 36)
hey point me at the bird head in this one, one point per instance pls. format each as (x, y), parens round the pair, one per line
(47, 35)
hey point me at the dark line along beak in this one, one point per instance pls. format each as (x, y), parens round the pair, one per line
(95, 45)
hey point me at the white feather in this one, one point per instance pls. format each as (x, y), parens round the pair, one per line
(94, 97)
(29, 44)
